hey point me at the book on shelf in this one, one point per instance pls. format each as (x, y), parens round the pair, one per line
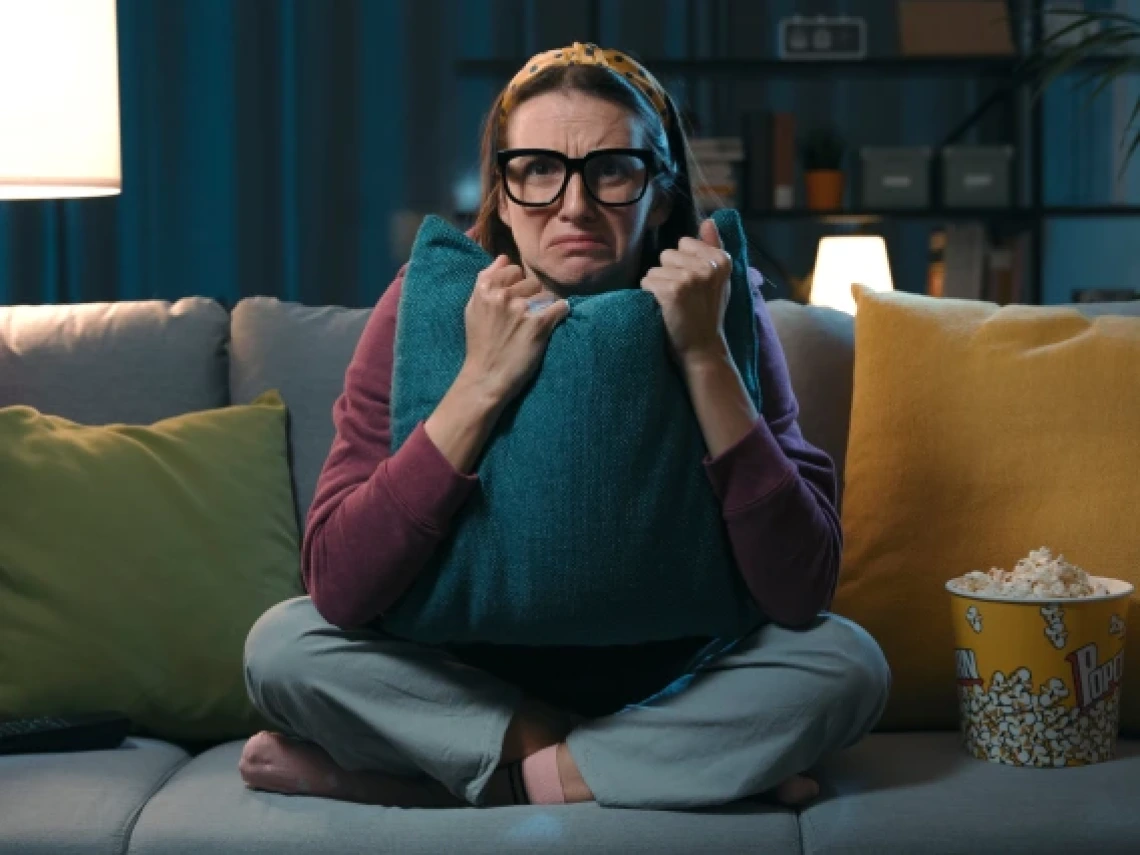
(709, 149)
(717, 173)
(769, 173)
(936, 262)
(783, 160)
(715, 167)
(964, 261)
(965, 264)
(999, 275)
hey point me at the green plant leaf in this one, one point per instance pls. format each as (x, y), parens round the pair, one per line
(1084, 20)
(1122, 29)
(1118, 33)
(1128, 155)
(1086, 16)
(1104, 15)
(1058, 67)
(1110, 74)
(1133, 115)
(1071, 58)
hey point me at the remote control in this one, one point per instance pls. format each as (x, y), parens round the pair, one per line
(73, 732)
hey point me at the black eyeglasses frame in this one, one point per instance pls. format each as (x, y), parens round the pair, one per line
(577, 164)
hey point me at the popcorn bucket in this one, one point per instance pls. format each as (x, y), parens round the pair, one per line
(1039, 679)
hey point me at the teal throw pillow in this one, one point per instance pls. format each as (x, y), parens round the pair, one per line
(593, 522)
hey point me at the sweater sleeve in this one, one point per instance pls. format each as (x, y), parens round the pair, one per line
(376, 517)
(778, 496)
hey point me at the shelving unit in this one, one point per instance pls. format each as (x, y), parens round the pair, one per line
(761, 67)
(947, 214)
(1030, 212)
(955, 66)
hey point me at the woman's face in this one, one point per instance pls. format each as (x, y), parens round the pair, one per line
(576, 124)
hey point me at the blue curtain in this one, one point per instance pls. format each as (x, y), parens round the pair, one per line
(269, 145)
(263, 153)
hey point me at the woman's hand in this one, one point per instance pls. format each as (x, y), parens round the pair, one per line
(691, 286)
(505, 340)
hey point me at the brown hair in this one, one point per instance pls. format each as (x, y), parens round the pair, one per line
(671, 147)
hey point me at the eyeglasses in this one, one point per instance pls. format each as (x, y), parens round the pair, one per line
(536, 177)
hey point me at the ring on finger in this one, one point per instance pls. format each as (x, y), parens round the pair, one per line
(538, 304)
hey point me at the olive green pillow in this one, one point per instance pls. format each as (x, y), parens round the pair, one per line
(135, 559)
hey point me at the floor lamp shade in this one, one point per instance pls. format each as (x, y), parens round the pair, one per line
(59, 99)
(845, 259)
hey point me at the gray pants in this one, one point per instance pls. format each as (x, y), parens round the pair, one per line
(738, 718)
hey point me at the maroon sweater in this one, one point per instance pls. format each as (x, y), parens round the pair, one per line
(376, 517)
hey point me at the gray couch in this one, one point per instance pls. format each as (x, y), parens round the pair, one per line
(892, 793)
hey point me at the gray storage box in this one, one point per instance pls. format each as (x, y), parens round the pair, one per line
(896, 177)
(976, 176)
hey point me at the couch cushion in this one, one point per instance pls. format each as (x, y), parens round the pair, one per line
(819, 345)
(303, 352)
(250, 821)
(967, 453)
(132, 362)
(79, 802)
(134, 560)
(921, 792)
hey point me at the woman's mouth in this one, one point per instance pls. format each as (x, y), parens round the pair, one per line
(579, 243)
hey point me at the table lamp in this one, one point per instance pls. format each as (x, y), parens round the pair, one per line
(59, 99)
(844, 259)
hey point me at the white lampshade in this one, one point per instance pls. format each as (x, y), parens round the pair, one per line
(843, 260)
(59, 99)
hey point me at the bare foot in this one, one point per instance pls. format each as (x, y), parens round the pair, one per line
(796, 790)
(272, 762)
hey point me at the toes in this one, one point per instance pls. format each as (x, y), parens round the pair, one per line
(810, 788)
(797, 790)
(257, 752)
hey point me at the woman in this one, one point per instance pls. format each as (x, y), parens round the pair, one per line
(369, 717)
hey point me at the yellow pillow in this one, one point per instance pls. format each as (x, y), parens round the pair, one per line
(979, 433)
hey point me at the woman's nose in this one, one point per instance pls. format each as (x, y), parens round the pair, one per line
(575, 200)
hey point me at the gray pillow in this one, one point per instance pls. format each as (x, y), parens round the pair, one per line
(303, 352)
(99, 363)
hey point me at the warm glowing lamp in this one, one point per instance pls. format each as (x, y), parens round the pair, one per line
(845, 259)
(59, 99)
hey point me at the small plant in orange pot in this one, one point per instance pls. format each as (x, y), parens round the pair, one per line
(821, 152)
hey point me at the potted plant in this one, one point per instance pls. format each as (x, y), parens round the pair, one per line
(821, 152)
(1102, 46)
